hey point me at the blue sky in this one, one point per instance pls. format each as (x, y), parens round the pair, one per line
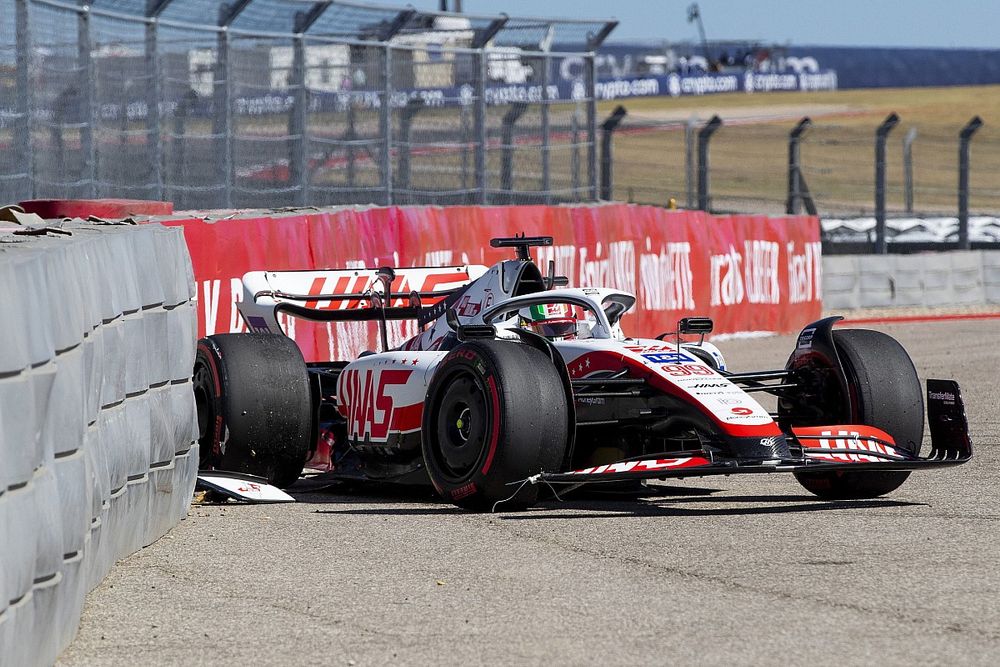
(930, 23)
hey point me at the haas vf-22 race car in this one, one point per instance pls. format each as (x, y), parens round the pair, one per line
(516, 384)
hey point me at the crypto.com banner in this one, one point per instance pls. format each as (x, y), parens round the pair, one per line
(746, 272)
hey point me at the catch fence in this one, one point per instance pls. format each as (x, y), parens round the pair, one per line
(273, 103)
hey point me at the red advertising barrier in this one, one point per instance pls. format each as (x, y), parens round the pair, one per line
(748, 273)
(108, 209)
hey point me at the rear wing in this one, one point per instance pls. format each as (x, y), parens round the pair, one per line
(352, 295)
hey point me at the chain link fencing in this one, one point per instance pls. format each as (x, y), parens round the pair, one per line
(275, 103)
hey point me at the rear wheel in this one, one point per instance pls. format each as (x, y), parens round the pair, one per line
(885, 392)
(254, 405)
(496, 413)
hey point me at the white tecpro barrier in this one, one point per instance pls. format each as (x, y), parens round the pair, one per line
(97, 421)
(933, 279)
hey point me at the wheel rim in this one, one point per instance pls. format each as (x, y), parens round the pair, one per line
(462, 424)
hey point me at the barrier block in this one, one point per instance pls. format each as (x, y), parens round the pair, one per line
(47, 530)
(147, 265)
(64, 292)
(991, 275)
(937, 279)
(45, 610)
(137, 435)
(967, 277)
(875, 283)
(6, 553)
(184, 414)
(185, 476)
(93, 365)
(6, 631)
(840, 282)
(182, 327)
(89, 272)
(20, 650)
(113, 363)
(42, 379)
(98, 476)
(75, 500)
(174, 261)
(161, 425)
(71, 597)
(32, 293)
(908, 283)
(66, 418)
(20, 452)
(19, 564)
(137, 377)
(113, 431)
(155, 332)
(13, 330)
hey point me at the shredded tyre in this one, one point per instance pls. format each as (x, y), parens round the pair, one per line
(254, 405)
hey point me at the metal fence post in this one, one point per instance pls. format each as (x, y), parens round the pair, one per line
(908, 140)
(574, 156)
(689, 162)
(351, 136)
(298, 174)
(510, 119)
(608, 128)
(704, 135)
(222, 121)
(881, 134)
(965, 138)
(86, 63)
(22, 131)
(154, 138)
(412, 108)
(480, 127)
(466, 139)
(546, 138)
(795, 179)
(591, 86)
(385, 124)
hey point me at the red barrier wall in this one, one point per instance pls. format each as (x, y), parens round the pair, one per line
(748, 273)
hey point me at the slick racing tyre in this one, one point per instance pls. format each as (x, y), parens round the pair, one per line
(496, 413)
(254, 405)
(885, 393)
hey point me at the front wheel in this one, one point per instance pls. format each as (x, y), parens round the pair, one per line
(885, 392)
(496, 413)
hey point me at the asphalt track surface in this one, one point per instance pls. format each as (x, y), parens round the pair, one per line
(722, 571)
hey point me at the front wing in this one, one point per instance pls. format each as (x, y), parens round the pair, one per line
(855, 448)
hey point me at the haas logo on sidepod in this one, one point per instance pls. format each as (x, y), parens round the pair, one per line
(365, 402)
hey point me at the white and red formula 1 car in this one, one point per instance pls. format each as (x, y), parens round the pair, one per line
(516, 382)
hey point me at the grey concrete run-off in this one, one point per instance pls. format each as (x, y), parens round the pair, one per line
(97, 420)
(957, 278)
(720, 571)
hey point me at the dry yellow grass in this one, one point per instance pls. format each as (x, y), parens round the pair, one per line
(749, 159)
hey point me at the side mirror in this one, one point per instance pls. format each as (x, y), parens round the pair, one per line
(695, 325)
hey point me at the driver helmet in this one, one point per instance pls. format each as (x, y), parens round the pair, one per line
(555, 321)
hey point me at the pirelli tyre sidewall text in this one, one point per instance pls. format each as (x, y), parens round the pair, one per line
(495, 414)
(254, 405)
